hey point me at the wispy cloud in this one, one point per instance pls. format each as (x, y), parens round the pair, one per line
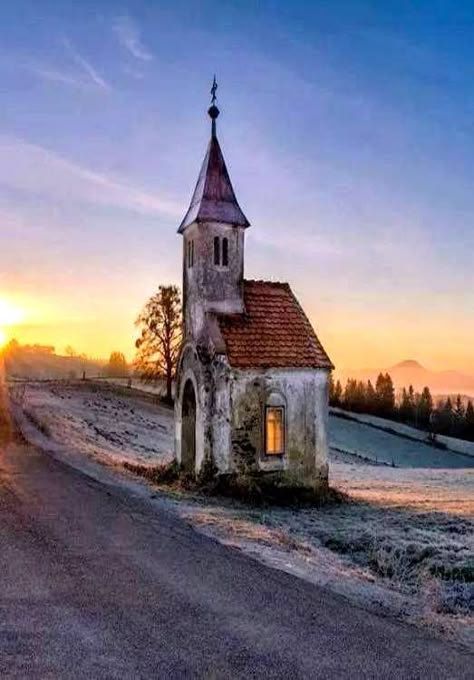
(87, 68)
(54, 75)
(132, 72)
(40, 171)
(128, 35)
(76, 72)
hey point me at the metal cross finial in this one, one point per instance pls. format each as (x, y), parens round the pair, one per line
(213, 111)
(214, 90)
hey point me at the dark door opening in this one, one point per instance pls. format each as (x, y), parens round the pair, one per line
(188, 428)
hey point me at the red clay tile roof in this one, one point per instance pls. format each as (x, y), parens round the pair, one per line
(274, 332)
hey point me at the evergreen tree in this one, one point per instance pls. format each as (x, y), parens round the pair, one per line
(385, 396)
(405, 409)
(459, 410)
(350, 394)
(359, 397)
(425, 407)
(335, 391)
(332, 389)
(370, 398)
(411, 401)
(469, 421)
(445, 416)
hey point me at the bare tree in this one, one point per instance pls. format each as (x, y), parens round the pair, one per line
(160, 338)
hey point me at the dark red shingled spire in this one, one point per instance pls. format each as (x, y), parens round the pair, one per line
(214, 198)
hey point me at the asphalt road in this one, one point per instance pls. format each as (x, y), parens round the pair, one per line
(96, 583)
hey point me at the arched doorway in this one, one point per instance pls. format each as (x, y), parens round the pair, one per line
(188, 428)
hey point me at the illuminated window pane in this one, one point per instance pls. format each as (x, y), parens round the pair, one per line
(275, 430)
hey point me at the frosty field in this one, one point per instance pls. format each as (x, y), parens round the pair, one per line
(403, 543)
(103, 421)
(348, 434)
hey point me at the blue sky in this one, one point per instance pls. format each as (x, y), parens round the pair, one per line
(348, 132)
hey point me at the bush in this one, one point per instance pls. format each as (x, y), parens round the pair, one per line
(158, 474)
(256, 488)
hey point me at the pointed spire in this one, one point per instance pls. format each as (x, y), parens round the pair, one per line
(214, 198)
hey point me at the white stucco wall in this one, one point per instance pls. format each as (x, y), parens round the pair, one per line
(230, 413)
(305, 393)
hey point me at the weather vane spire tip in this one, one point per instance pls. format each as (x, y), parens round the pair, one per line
(213, 111)
(214, 90)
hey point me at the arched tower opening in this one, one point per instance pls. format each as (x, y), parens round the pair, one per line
(188, 428)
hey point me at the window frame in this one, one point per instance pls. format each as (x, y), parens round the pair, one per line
(274, 454)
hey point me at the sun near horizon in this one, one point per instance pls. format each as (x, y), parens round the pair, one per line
(10, 316)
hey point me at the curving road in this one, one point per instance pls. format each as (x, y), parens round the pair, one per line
(96, 583)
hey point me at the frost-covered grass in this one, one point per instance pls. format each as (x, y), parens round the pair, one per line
(156, 387)
(403, 544)
(453, 444)
(359, 437)
(110, 423)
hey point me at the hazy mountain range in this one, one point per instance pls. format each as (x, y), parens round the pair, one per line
(411, 372)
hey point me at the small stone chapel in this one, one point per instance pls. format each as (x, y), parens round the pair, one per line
(252, 377)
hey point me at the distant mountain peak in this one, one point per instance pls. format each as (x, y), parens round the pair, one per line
(410, 363)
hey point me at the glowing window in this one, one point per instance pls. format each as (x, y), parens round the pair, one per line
(274, 430)
(225, 252)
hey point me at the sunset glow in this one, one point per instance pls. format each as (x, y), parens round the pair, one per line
(10, 314)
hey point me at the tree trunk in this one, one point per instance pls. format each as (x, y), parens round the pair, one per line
(169, 388)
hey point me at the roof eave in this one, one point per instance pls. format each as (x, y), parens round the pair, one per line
(199, 220)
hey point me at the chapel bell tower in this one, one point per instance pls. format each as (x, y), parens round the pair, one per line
(213, 232)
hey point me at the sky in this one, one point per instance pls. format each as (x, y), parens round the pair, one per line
(347, 128)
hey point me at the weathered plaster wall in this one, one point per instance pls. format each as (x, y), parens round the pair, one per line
(221, 416)
(206, 286)
(211, 380)
(191, 368)
(230, 411)
(305, 396)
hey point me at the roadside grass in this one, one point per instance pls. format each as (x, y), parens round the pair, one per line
(253, 489)
(37, 422)
(423, 553)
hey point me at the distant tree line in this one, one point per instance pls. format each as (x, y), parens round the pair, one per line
(449, 417)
